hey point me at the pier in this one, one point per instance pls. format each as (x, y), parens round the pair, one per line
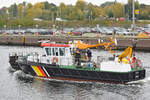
(32, 40)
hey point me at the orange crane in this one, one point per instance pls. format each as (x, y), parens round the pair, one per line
(107, 45)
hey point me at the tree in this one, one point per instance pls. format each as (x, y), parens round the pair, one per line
(39, 5)
(142, 5)
(24, 9)
(36, 11)
(29, 11)
(109, 11)
(80, 4)
(117, 10)
(90, 11)
(53, 13)
(29, 6)
(20, 10)
(79, 14)
(106, 4)
(145, 12)
(46, 5)
(15, 10)
(130, 7)
(62, 9)
(97, 12)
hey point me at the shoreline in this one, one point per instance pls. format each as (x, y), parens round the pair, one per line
(143, 44)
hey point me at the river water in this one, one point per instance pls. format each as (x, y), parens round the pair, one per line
(14, 87)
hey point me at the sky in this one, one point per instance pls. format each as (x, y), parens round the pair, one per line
(7, 3)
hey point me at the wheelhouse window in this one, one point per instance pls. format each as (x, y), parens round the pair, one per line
(48, 51)
(62, 51)
(55, 52)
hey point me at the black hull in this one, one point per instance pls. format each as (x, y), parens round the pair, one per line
(55, 72)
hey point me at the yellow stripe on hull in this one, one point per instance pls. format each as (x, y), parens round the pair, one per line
(36, 69)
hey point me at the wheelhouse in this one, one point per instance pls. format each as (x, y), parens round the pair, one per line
(58, 53)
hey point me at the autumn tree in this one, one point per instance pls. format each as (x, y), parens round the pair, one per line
(62, 10)
(36, 10)
(29, 10)
(117, 10)
(20, 10)
(80, 5)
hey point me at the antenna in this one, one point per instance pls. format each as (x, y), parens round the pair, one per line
(133, 14)
(115, 1)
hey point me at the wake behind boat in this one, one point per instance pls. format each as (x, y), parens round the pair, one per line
(73, 62)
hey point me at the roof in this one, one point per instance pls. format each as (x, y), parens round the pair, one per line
(54, 45)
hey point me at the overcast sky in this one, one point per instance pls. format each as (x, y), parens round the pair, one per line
(7, 3)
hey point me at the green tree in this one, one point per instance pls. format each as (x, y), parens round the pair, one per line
(62, 9)
(46, 5)
(53, 13)
(106, 4)
(109, 11)
(145, 12)
(79, 14)
(20, 10)
(129, 6)
(15, 10)
(24, 9)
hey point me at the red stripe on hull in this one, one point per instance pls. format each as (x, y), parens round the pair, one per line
(43, 73)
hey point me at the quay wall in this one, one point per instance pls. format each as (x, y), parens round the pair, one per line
(123, 42)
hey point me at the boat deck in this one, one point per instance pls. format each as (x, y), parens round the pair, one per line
(95, 69)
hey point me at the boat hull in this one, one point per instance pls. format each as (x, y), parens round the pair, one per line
(78, 74)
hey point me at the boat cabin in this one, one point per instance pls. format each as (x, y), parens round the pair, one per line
(60, 54)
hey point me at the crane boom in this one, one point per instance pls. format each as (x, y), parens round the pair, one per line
(81, 45)
(126, 53)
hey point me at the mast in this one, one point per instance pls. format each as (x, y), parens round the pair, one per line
(133, 14)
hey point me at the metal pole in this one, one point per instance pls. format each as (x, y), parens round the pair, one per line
(133, 16)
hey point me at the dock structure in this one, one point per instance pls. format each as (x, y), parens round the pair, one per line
(30, 40)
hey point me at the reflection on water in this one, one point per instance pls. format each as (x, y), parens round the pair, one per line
(17, 86)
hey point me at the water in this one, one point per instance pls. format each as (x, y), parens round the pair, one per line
(14, 87)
